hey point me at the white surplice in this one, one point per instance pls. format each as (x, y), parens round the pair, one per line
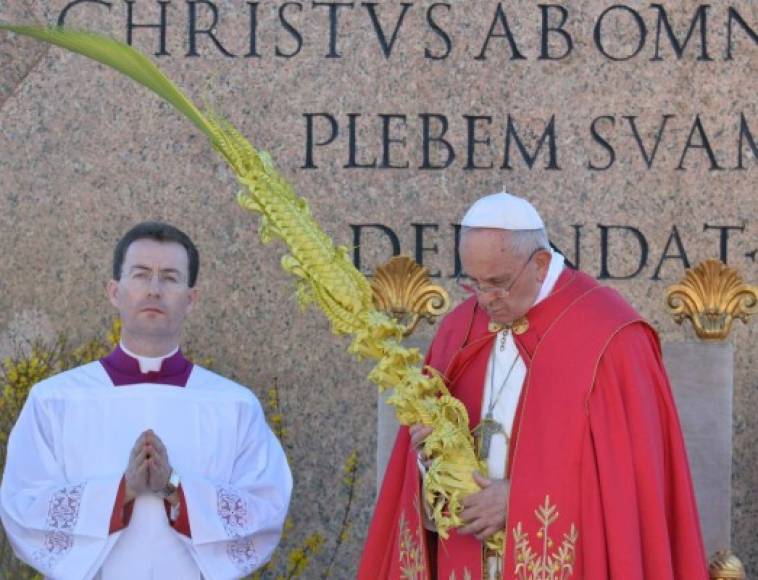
(70, 447)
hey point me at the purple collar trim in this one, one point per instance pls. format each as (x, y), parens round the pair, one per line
(124, 370)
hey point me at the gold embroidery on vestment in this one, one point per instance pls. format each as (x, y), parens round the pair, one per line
(466, 575)
(411, 555)
(519, 326)
(545, 564)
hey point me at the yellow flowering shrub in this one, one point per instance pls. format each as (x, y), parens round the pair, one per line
(291, 561)
(18, 374)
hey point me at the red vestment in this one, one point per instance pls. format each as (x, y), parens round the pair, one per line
(600, 484)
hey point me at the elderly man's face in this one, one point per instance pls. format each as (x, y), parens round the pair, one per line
(508, 283)
(153, 296)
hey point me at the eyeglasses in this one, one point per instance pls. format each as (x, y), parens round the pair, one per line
(166, 278)
(501, 291)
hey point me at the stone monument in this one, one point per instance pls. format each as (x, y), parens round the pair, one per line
(632, 127)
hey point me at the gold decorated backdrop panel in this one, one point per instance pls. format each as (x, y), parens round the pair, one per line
(632, 127)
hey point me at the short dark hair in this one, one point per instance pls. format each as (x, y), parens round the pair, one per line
(160, 232)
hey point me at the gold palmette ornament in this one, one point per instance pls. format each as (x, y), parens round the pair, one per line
(325, 276)
(402, 288)
(712, 295)
(725, 565)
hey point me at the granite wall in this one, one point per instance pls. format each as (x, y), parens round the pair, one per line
(632, 127)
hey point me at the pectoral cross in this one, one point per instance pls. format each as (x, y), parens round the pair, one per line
(485, 431)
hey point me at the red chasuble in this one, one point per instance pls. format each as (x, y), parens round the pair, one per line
(600, 484)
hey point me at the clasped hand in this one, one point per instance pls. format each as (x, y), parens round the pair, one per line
(484, 512)
(148, 469)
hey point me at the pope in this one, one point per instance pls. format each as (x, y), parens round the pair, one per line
(568, 400)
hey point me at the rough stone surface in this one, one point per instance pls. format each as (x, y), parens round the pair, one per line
(85, 153)
(18, 56)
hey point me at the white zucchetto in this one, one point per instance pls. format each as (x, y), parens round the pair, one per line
(503, 211)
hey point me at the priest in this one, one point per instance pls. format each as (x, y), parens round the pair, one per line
(144, 465)
(572, 412)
